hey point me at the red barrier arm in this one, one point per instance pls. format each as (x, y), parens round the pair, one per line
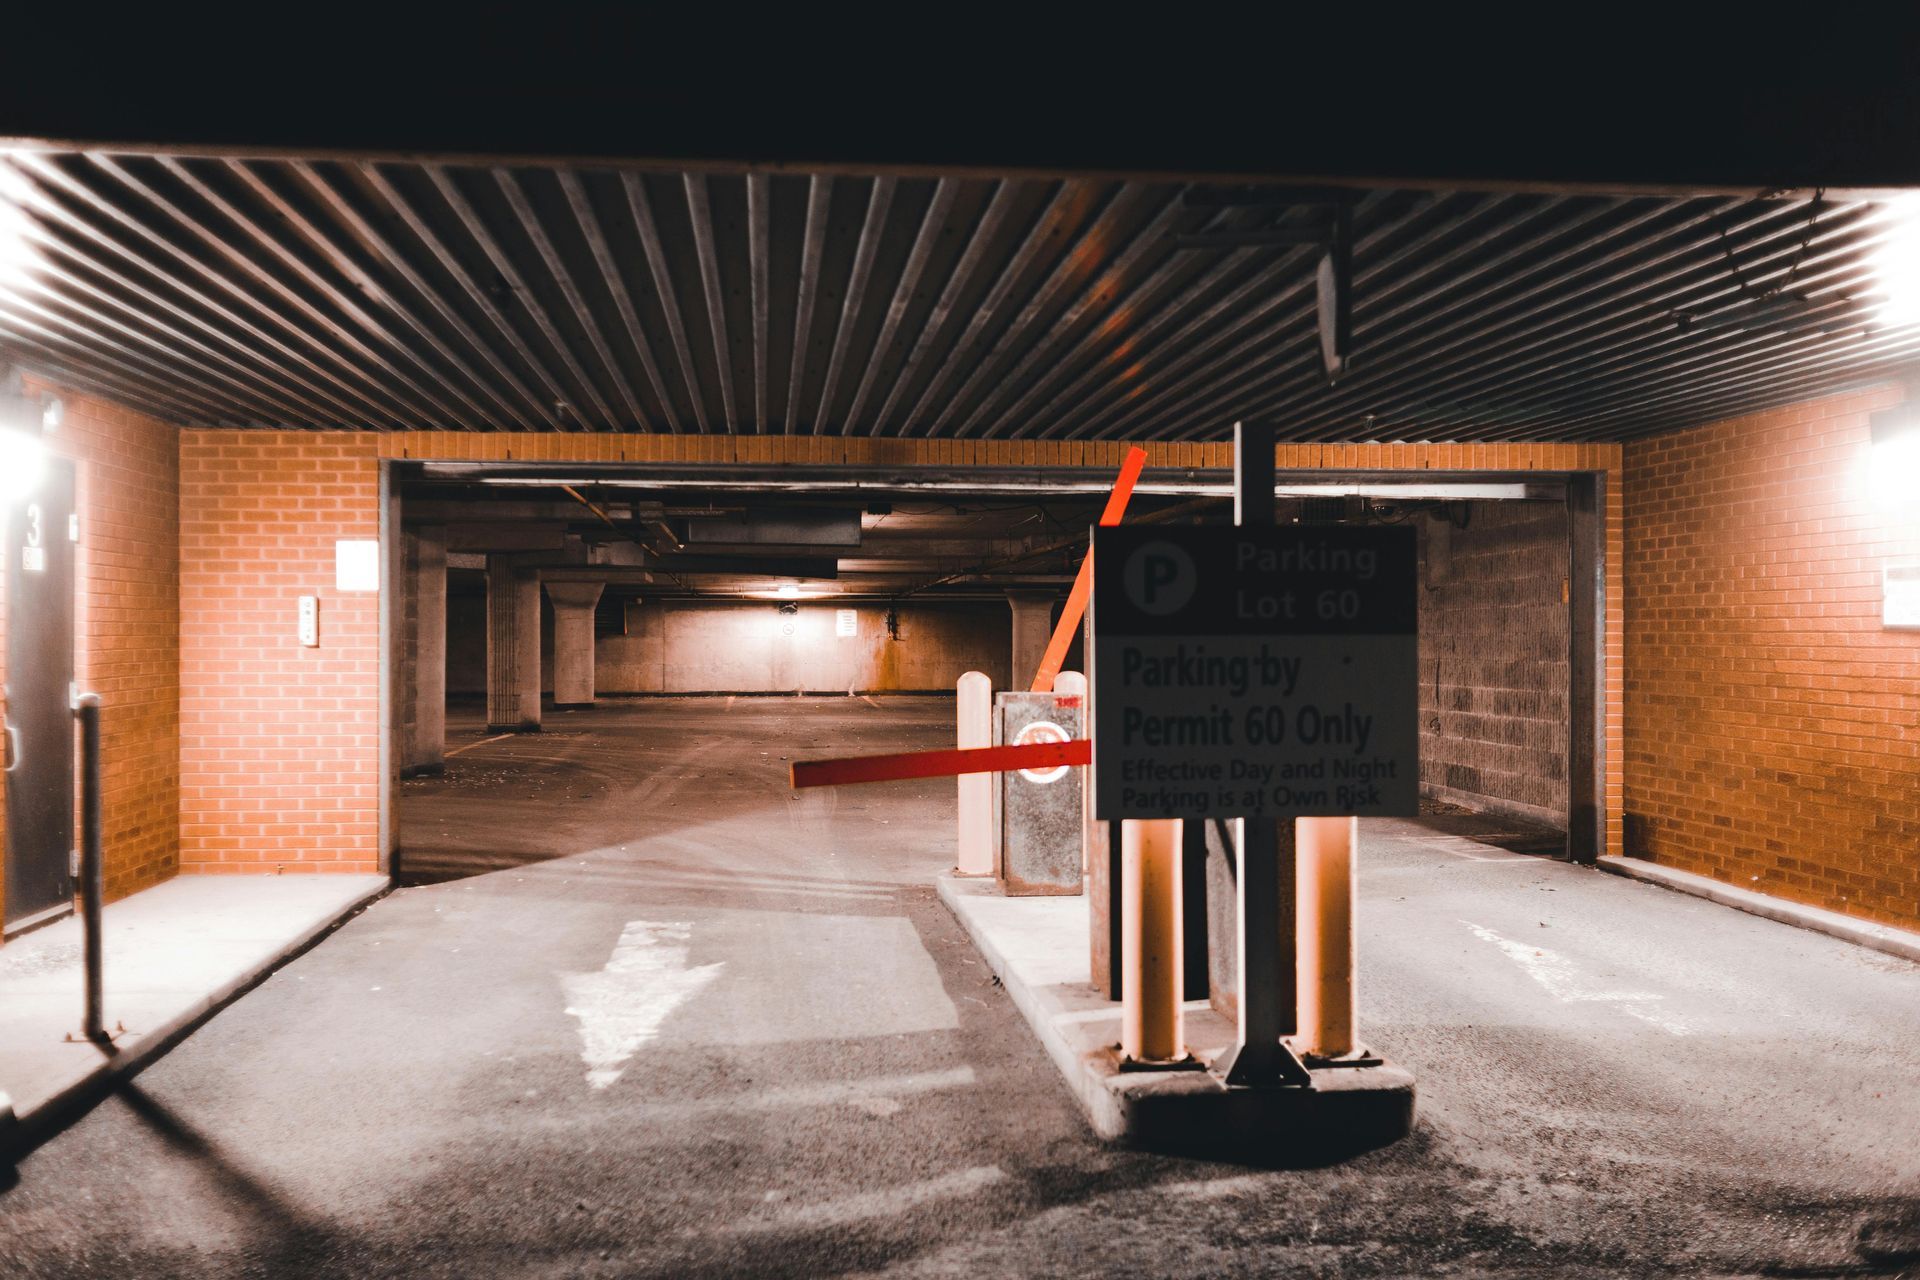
(940, 764)
(1076, 609)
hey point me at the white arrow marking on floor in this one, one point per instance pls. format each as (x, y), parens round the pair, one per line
(1566, 984)
(621, 1007)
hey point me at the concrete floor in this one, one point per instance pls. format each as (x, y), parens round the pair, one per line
(794, 1064)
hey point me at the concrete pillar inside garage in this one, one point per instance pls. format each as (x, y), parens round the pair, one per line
(1032, 628)
(423, 740)
(513, 646)
(573, 605)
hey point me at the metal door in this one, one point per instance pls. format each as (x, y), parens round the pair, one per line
(39, 692)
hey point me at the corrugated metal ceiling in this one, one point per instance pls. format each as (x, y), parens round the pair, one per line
(326, 293)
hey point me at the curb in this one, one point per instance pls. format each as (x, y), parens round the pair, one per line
(1864, 933)
(22, 1132)
(1344, 1113)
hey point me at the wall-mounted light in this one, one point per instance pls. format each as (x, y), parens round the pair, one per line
(1894, 468)
(23, 454)
(787, 591)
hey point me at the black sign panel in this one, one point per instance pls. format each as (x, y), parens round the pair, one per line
(1257, 671)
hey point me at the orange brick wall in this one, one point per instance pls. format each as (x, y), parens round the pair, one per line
(279, 748)
(127, 626)
(1770, 720)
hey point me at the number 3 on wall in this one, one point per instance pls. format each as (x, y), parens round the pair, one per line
(33, 556)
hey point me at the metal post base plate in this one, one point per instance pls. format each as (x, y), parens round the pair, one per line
(1262, 1066)
(1120, 1062)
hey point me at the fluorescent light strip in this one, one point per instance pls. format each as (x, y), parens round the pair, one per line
(1437, 492)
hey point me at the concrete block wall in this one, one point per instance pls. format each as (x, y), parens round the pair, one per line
(1494, 668)
(1773, 724)
(279, 743)
(127, 616)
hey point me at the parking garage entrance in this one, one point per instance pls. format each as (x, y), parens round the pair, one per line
(541, 606)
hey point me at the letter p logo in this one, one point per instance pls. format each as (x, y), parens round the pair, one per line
(1160, 578)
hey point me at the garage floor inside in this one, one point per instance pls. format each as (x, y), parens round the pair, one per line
(649, 1012)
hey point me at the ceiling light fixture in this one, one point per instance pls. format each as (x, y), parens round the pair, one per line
(1895, 262)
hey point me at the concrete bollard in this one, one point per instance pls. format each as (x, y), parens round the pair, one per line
(1151, 1020)
(1326, 867)
(1072, 684)
(974, 714)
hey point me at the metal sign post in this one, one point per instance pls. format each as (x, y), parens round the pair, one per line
(1268, 675)
(1267, 957)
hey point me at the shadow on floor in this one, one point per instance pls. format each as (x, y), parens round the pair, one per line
(1515, 835)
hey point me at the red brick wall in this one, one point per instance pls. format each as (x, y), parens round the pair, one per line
(1770, 720)
(127, 626)
(279, 752)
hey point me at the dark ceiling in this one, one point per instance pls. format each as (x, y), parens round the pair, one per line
(1684, 99)
(396, 294)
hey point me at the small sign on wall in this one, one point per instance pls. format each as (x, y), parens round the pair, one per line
(356, 564)
(1900, 597)
(846, 623)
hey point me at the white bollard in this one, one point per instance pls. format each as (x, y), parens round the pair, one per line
(974, 713)
(1326, 893)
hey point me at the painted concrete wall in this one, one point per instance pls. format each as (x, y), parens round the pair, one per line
(746, 647)
(753, 647)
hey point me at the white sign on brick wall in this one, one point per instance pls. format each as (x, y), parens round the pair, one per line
(1900, 597)
(356, 564)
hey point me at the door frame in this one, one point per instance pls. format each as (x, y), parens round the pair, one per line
(67, 539)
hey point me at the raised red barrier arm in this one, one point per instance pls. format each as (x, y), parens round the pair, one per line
(1056, 657)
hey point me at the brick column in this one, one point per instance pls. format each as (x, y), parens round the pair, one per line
(1032, 628)
(423, 737)
(573, 604)
(513, 646)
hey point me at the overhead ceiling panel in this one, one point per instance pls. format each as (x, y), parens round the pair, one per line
(386, 295)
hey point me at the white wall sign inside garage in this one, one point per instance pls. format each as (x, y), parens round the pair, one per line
(1254, 672)
(1900, 597)
(356, 564)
